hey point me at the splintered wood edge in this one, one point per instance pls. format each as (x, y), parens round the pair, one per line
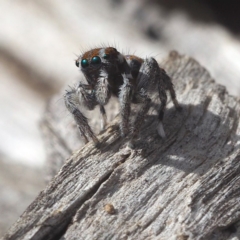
(185, 187)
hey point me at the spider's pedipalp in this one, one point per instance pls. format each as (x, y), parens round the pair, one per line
(84, 96)
(102, 92)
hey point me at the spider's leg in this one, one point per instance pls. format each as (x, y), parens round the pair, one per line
(174, 99)
(151, 77)
(125, 96)
(169, 86)
(104, 117)
(73, 99)
(163, 99)
(142, 98)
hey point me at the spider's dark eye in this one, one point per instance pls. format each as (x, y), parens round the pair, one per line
(106, 56)
(84, 63)
(96, 60)
(77, 63)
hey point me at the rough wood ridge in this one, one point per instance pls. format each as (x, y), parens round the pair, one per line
(186, 187)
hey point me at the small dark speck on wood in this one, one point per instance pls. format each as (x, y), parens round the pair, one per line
(186, 187)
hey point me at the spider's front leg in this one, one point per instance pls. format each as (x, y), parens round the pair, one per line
(81, 96)
(125, 98)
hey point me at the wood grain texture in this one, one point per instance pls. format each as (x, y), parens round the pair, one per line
(186, 187)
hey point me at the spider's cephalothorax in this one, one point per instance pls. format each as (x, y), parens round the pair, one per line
(128, 77)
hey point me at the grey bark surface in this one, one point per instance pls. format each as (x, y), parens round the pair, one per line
(186, 187)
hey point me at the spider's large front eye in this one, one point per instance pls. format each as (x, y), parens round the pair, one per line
(96, 60)
(84, 63)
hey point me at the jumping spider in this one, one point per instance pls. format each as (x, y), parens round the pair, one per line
(128, 77)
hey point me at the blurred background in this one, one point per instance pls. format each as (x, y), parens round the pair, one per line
(39, 41)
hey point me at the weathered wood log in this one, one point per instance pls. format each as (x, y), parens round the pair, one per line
(186, 187)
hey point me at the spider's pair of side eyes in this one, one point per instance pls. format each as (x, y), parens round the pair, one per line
(95, 61)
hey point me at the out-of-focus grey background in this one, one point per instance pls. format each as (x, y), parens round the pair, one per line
(39, 41)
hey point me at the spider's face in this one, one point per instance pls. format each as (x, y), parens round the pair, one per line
(98, 62)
